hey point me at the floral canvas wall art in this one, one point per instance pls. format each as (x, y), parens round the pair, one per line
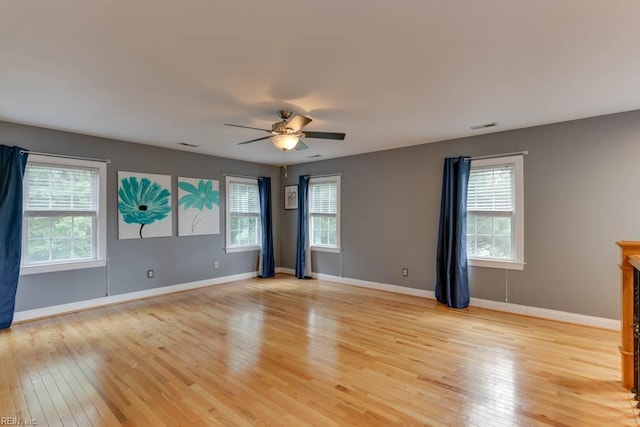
(198, 206)
(144, 205)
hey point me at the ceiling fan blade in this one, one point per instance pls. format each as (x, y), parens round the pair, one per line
(254, 140)
(325, 135)
(301, 146)
(297, 122)
(246, 127)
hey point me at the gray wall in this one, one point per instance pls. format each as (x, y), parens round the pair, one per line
(174, 259)
(579, 180)
(579, 199)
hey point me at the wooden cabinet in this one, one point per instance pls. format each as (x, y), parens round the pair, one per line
(629, 248)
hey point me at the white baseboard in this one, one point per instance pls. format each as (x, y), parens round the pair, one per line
(544, 313)
(375, 285)
(38, 313)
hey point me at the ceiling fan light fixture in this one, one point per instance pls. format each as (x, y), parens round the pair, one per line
(284, 142)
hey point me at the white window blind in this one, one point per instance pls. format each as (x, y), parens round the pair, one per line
(243, 198)
(491, 189)
(323, 198)
(58, 188)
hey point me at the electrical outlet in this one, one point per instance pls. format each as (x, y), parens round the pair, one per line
(405, 272)
(215, 264)
(150, 274)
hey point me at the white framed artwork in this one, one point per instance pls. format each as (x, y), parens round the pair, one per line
(198, 206)
(144, 205)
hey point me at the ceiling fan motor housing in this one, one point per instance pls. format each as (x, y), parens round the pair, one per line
(284, 114)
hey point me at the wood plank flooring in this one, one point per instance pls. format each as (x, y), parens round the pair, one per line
(289, 352)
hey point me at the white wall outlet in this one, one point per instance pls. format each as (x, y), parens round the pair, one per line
(150, 274)
(216, 265)
(405, 272)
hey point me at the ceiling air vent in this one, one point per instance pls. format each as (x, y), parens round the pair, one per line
(186, 144)
(315, 156)
(484, 126)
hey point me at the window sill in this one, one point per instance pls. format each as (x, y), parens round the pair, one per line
(63, 266)
(242, 249)
(503, 265)
(326, 249)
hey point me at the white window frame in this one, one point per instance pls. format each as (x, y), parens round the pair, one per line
(518, 216)
(238, 248)
(327, 248)
(101, 218)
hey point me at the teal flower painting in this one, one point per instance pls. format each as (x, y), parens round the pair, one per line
(143, 201)
(199, 207)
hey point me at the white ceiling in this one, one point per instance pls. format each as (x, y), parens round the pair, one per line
(387, 73)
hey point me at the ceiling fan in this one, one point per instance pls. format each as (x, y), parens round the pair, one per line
(285, 135)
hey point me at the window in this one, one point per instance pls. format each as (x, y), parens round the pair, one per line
(243, 214)
(324, 213)
(64, 223)
(495, 229)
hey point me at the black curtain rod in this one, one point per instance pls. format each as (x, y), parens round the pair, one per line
(326, 175)
(497, 156)
(240, 176)
(64, 156)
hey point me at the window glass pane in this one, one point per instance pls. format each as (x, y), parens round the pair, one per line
(502, 226)
(502, 247)
(484, 225)
(60, 249)
(61, 226)
(82, 248)
(252, 236)
(59, 238)
(324, 230)
(244, 230)
(471, 224)
(82, 226)
(484, 246)
(333, 241)
(489, 236)
(235, 237)
(37, 250)
(38, 228)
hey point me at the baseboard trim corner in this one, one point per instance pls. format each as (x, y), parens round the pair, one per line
(285, 270)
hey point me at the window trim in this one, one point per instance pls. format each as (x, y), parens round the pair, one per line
(101, 218)
(326, 248)
(518, 218)
(238, 248)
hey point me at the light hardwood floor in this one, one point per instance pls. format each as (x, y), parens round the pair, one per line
(288, 352)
